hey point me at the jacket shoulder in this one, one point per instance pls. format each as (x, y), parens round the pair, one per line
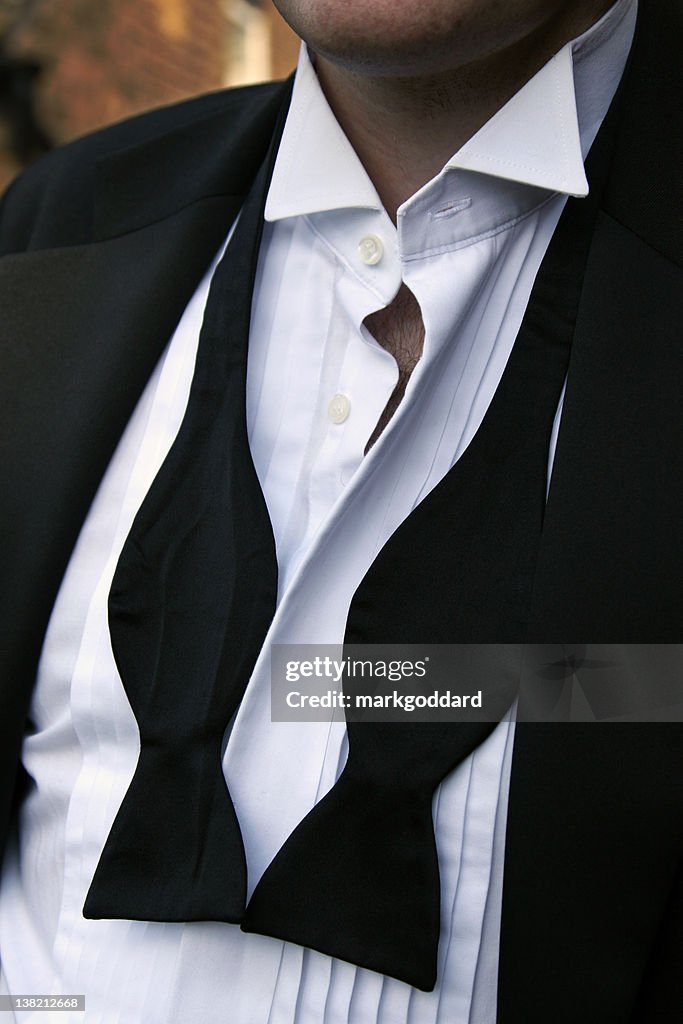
(51, 203)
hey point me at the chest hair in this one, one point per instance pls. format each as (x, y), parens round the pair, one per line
(399, 329)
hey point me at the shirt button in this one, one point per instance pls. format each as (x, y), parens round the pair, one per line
(339, 408)
(370, 250)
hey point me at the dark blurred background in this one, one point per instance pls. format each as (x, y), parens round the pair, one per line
(69, 66)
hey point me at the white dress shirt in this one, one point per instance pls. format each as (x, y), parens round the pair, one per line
(468, 245)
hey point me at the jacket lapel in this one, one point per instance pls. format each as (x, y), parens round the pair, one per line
(83, 329)
(595, 824)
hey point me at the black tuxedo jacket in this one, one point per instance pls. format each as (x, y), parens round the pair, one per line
(103, 245)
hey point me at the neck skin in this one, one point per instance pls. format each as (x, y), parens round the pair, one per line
(404, 129)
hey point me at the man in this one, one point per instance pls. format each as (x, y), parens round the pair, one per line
(450, 317)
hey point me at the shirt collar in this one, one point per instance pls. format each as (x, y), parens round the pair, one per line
(535, 137)
(317, 168)
(540, 137)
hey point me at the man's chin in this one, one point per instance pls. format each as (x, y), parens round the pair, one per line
(402, 38)
(381, 37)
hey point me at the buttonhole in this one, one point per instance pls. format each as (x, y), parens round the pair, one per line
(452, 208)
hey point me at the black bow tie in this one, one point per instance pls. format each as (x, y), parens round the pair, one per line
(194, 594)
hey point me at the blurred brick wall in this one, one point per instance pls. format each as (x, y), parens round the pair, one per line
(103, 60)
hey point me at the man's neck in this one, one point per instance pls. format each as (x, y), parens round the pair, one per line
(404, 129)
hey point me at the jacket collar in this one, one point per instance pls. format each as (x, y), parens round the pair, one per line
(216, 156)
